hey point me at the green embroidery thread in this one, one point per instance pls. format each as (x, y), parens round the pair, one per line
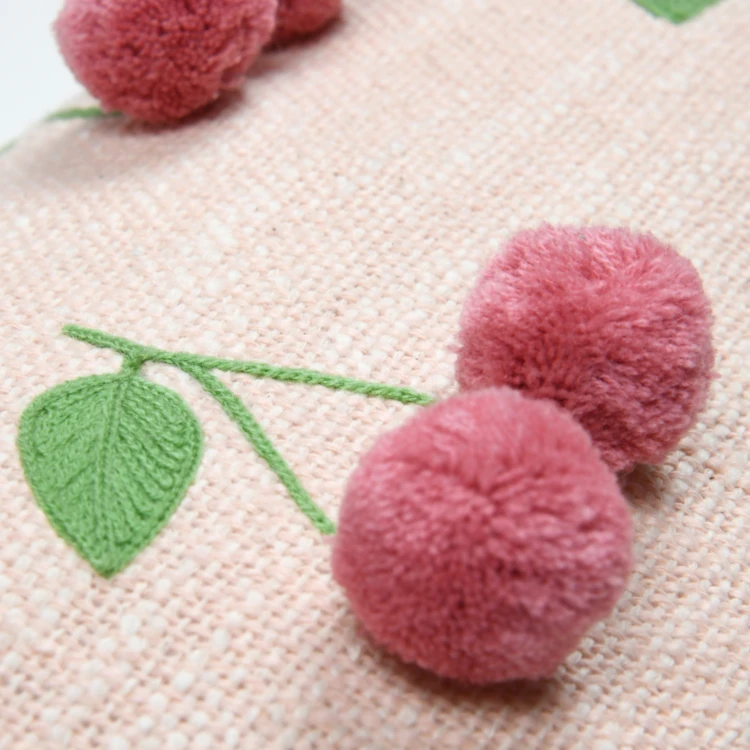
(256, 369)
(263, 446)
(109, 457)
(74, 113)
(81, 113)
(676, 11)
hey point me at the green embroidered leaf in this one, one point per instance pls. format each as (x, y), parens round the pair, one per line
(109, 458)
(676, 10)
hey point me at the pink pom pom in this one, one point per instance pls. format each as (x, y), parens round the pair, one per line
(483, 538)
(160, 60)
(299, 18)
(614, 326)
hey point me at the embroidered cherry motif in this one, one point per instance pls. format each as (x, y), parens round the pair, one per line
(481, 539)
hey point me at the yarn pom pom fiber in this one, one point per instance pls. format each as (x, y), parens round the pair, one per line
(483, 538)
(300, 18)
(614, 326)
(160, 60)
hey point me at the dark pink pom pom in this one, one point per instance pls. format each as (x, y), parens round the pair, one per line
(300, 18)
(483, 538)
(612, 325)
(160, 60)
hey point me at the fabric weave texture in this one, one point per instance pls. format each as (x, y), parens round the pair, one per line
(334, 216)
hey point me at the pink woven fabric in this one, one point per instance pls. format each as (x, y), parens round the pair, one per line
(335, 216)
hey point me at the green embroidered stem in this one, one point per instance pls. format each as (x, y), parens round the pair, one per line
(74, 113)
(129, 349)
(81, 113)
(307, 377)
(235, 409)
(110, 457)
(132, 364)
(256, 369)
(199, 368)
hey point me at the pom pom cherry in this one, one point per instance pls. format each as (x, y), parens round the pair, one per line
(160, 60)
(299, 18)
(612, 325)
(483, 538)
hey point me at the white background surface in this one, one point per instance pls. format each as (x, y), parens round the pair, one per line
(33, 78)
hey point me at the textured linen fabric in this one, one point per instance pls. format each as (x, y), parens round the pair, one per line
(335, 216)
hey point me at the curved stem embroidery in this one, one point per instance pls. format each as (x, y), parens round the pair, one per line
(199, 368)
(256, 369)
(81, 113)
(250, 428)
(71, 113)
(110, 457)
